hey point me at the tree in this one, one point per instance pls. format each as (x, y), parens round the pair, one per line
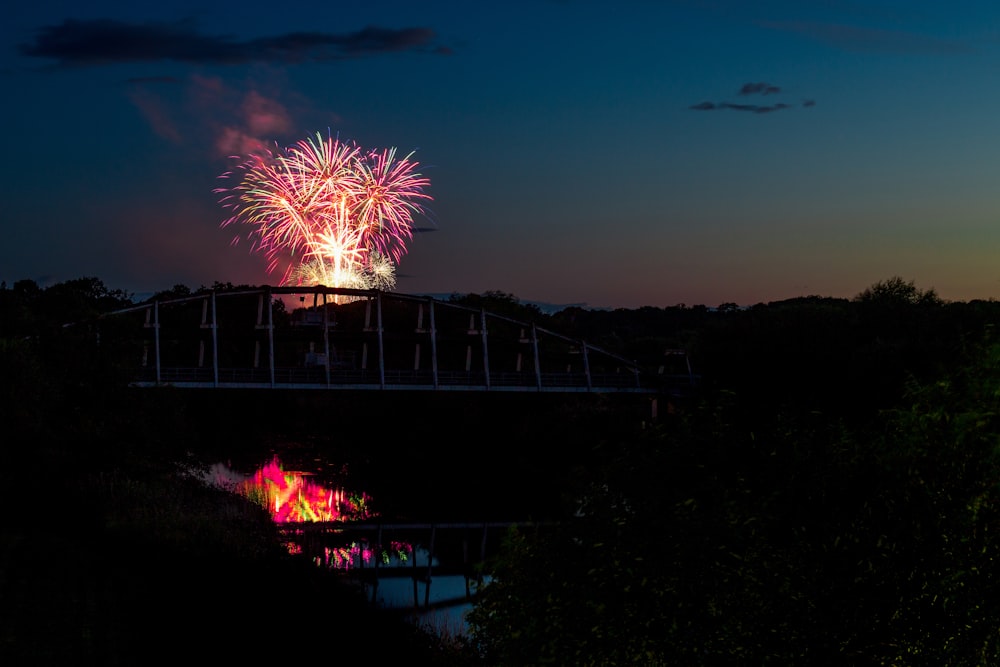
(896, 292)
(671, 558)
(943, 450)
(724, 538)
(499, 303)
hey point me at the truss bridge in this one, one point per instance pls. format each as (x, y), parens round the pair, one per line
(339, 338)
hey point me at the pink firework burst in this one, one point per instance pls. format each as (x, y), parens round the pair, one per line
(326, 203)
(393, 191)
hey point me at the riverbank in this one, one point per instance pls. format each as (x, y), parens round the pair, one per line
(109, 557)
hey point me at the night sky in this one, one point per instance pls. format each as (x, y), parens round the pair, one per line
(627, 154)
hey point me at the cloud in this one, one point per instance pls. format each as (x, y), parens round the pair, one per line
(205, 112)
(106, 41)
(144, 93)
(234, 141)
(156, 113)
(754, 108)
(704, 106)
(759, 88)
(240, 121)
(263, 116)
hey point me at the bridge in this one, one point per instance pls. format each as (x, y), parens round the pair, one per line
(340, 338)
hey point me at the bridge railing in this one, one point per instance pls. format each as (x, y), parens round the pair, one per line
(374, 340)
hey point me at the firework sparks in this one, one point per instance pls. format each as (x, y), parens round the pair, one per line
(380, 271)
(391, 196)
(341, 215)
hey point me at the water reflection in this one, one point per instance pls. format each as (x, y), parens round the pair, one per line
(293, 496)
(295, 499)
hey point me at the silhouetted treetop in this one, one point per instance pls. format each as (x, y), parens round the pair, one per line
(896, 291)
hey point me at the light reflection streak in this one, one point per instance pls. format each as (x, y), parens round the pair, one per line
(293, 497)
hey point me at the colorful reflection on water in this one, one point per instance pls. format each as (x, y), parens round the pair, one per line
(294, 497)
(360, 555)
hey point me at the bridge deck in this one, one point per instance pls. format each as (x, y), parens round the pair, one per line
(300, 378)
(364, 340)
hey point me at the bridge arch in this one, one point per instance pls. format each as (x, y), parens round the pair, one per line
(342, 338)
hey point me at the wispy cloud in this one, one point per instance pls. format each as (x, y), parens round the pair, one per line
(106, 41)
(747, 89)
(155, 113)
(755, 108)
(207, 113)
(760, 88)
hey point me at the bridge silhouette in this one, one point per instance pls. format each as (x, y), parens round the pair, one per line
(340, 338)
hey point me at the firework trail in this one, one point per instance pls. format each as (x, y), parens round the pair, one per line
(341, 214)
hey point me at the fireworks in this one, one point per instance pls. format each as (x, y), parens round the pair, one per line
(342, 215)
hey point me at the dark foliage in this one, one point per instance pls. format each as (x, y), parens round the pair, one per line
(705, 543)
(112, 551)
(829, 497)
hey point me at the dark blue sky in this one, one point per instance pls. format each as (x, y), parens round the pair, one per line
(608, 154)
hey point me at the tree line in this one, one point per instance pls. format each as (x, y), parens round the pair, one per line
(833, 497)
(829, 496)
